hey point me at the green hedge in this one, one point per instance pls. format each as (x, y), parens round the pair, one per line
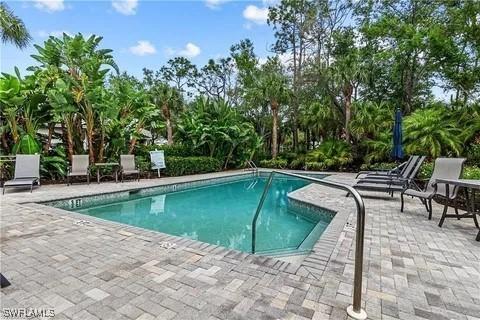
(179, 166)
(379, 166)
(274, 164)
(175, 150)
(469, 172)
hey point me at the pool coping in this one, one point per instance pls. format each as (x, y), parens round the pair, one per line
(312, 266)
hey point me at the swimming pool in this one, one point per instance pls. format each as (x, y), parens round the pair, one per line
(221, 213)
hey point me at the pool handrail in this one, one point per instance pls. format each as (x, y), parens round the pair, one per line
(252, 166)
(355, 310)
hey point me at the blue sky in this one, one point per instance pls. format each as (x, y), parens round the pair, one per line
(145, 33)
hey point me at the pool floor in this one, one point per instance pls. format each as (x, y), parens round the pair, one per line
(222, 214)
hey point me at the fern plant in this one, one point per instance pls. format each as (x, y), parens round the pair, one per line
(333, 154)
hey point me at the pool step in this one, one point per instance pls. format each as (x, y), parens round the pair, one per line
(284, 252)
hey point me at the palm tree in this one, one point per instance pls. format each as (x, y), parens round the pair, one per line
(12, 28)
(168, 98)
(432, 131)
(271, 88)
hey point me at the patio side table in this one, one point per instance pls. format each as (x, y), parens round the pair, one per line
(469, 185)
(113, 165)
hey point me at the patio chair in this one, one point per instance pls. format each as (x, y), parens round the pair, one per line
(408, 172)
(27, 172)
(446, 168)
(391, 185)
(80, 168)
(128, 167)
(397, 171)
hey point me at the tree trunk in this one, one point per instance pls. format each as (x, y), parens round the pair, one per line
(68, 128)
(230, 153)
(169, 132)
(5, 143)
(167, 116)
(51, 127)
(274, 107)
(347, 93)
(91, 151)
(101, 148)
(133, 142)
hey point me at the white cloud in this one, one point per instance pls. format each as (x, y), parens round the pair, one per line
(50, 5)
(143, 48)
(256, 14)
(55, 33)
(262, 60)
(126, 7)
(214, 4)
(191, 50)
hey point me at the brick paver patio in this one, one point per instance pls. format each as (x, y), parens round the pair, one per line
(86, 268)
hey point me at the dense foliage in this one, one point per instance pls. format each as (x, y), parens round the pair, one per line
(324, 101)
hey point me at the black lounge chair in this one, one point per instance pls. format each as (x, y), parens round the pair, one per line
(397, 171)
(409, 171)
(391, 185)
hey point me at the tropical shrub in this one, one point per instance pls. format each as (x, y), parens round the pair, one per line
(433, 132)
(26, 145)
(333, 154)
(378, 166)
(274, 163)
(378, 149)
(473, 153)
(471, 172)
(425, 171)
(315, 166)
(179, 166)
(298, 163)
(215, 129)
(53, 166)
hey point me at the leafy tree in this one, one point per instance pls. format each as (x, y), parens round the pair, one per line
(215, 79)
(179, 72)
(292, 21)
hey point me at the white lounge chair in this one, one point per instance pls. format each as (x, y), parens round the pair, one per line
(128, 167)
(445, 168)
(80, 168)
(27, 172)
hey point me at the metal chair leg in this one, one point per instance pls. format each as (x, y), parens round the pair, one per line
(402, 202)
(430, 209)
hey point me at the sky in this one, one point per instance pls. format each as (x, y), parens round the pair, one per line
(145, 33)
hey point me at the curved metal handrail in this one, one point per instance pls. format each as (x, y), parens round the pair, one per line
(355, 310)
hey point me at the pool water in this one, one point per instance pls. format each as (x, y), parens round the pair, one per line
(222, 214)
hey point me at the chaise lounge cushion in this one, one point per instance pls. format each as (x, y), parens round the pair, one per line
(20, 182)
